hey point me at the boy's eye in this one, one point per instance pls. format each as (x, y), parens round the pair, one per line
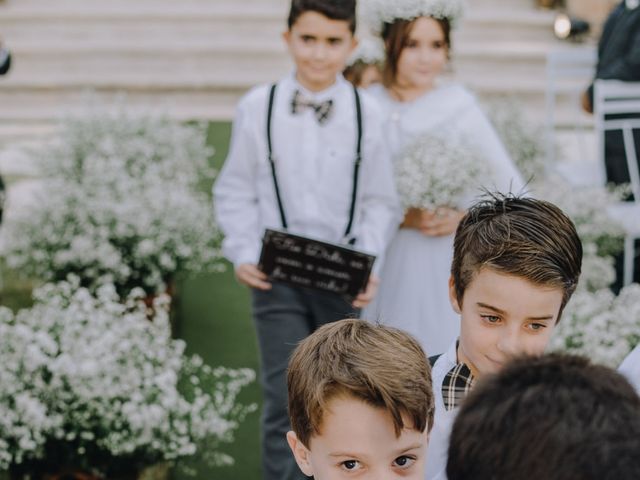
(404, 461)
(306, 38)
(411, 44)
(438, 45)
(350, 464)
(537, 326)
(491, 319)
(335, 41)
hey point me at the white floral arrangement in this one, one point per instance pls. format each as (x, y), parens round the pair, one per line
(587, 207)
(437, 171)
(598, 272)
(600, 325)
(376, 13)
(88, 381)
(119, 203)
(523, 139)
(370, 50)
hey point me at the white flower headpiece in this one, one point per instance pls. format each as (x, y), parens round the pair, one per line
(370, 50)
(378, 12)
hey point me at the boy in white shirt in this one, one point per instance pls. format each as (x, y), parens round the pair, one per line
(306, 155)
(516, 263)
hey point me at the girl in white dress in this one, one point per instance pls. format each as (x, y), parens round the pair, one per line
(413, 294)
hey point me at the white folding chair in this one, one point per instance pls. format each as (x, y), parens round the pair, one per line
(569, 71)
(612, 97)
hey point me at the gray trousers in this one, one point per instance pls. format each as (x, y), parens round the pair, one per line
(283, 317)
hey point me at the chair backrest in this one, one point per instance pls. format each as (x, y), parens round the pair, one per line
(619, 99)
(569, 71)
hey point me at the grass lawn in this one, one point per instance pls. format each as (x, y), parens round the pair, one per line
(213, 316)
(215, 321)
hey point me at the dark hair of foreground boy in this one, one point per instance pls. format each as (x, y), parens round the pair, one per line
(555, 417)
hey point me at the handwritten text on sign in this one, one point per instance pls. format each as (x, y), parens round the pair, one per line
(314, 264)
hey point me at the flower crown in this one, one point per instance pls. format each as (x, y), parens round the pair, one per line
(378, 12)
(370, 50)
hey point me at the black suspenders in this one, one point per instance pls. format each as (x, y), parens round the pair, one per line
(356, 166)
(283, 217)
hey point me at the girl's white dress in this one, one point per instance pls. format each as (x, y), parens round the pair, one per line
(413, 293)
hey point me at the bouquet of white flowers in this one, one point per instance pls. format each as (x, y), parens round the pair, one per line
(89, 382)
(600, 325)
(438, 171)
(523, 140)
(119, 203)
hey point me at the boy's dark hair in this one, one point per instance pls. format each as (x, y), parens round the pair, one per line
(379, 365)
(332, 9)
(521, 236)
(555, 417)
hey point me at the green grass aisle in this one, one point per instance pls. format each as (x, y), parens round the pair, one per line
(214, 319)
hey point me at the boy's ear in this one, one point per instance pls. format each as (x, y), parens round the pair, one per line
(301, 453)
(354, 44)
(286, 36)
(453, 298)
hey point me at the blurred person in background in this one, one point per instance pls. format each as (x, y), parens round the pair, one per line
(618, 59)
(5, 59)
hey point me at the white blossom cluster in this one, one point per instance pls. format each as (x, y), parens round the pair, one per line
(523, 139)
(595, 323)
(93, 372)
(370, 50)
(24, 418)
(375, 13)
(587, 207)
(600, 325)
(437, 171)
(119, 204)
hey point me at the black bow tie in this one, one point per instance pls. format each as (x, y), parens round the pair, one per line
(322, 110)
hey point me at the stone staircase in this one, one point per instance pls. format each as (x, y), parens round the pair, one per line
(195, 58)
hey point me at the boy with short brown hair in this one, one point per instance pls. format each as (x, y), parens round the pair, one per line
(516, 264)
(360, 403)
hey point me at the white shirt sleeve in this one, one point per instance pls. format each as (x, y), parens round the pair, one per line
(235, 191)
(379, 208)
(630, 368)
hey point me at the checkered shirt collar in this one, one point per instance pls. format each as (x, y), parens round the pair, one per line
(456, 385)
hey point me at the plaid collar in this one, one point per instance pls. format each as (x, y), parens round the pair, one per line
(456, 386)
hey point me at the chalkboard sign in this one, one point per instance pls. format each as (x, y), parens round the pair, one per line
(305, 262)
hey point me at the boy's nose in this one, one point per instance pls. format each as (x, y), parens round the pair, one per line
(320, 51)
(508, 343)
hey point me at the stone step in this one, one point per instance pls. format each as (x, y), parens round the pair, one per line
(195, 58)
(44, 105)
(208, 26)
(92, 64)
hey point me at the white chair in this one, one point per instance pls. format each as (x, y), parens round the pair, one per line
(612, 97)
(568, 71)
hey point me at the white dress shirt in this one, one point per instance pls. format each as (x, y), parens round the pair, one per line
(438, 449)
(630, 368)
(314, 164)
